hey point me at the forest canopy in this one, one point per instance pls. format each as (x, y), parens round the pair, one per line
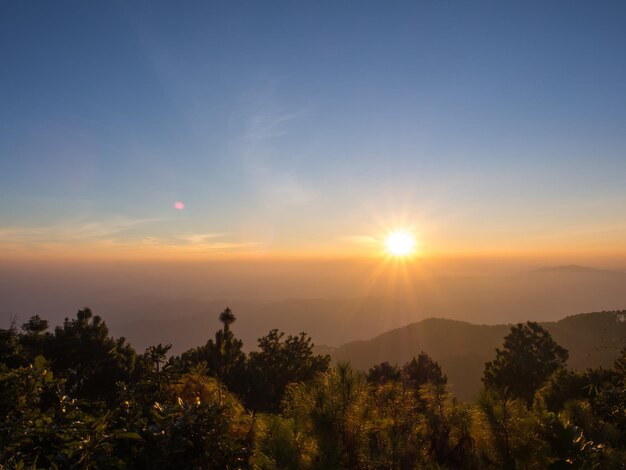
(74, 397)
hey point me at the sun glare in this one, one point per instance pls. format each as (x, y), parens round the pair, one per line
(400, 244)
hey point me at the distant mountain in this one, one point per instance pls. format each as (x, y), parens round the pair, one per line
(461, 348)
(191, 322)
(542, 295)
(573, 269)
(164, 293)
(178, 305)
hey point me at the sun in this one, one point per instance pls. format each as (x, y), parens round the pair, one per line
(400, 243)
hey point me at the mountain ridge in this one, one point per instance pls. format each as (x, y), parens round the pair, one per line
(592, 339)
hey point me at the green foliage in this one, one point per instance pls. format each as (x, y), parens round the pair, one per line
(201, 425)
(395, 437)
(414, 374)
(525, 363)
(283, 443)
(606, 391)
(222, 358)
(181, 413)
(90, 361)
(11, 349)
(447, 427)
(383, 373)
(278, 363)
(33, 339)
(152, 376)
(506, 433)
(562, 386)
(422, 371)
(260, 379)
(334, 408)
(568, 446)
(48, 429)
(35, 325)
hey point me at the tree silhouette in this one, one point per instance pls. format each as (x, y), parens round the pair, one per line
(82, 352)
(157, 355)
(383, 373)
(33, 338)
(279, 363)
(53, 415)
(525, 363)
(11, 350)
(221, 357)
(421, 371)
(620, 364)
(227, 317)
(35, 325)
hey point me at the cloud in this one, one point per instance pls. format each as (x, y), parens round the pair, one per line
(116, 233)
(283, 190)
(277, 186)
(359, 239)
(207, 242)
(199, 238)
(70, 231)
(265, 126)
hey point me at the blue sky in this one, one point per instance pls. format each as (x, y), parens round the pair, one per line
(312, 126)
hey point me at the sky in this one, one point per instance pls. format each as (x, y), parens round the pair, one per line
(214, 129)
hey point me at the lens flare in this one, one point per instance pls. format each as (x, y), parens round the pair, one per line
(178, 205)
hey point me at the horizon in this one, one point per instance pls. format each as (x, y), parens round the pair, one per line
(484, 292)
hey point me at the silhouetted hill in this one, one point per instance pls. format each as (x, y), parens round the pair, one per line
(573, 269)
(461, 348)
(327, 321)
(545, 294)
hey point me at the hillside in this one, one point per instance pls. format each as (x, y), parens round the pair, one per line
(546, 294)
(592, 339)
(334, 321)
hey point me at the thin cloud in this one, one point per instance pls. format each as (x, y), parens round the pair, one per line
(277, 186)
(359, 239)
(200, 238)
(70, 231)
(113, 234)
(269, 125)
(205, 242)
